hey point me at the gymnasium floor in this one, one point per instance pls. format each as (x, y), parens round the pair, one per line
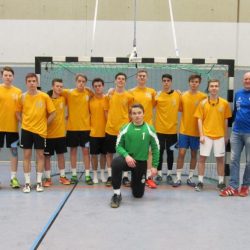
(165, 218)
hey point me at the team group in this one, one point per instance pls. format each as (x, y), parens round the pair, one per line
(89, 119)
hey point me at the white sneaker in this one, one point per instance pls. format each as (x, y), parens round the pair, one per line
(95, 181)
(26, 188)
(39, 187)
(103, 179)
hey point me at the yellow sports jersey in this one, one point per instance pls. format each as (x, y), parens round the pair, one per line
(57, 127)
(188, 105)
(146, 97)
(8, 105)
(117, 105)
(78, 109)
(213, 115)
(97, 116)
(167, 107)
(35, 109)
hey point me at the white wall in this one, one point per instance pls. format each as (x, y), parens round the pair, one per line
(22, 40)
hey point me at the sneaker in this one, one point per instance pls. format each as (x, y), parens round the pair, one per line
(244, 190)
(229, 191)
(115, 201)
(199, 186)
(190, 183)
(14, 183)
(177, 183)
(158, 179)
(150, 183)
(103, 179)
(170, 180)
(26, 188)
(64, 180)
(73, 179)
(88, 180)
(95, 181)
(39, 187)
(109, 182)
(126, 182)
(47, 182)
(221, 186)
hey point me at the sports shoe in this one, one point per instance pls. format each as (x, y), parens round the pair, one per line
(103, 179)
(95, 181)
(14, 183)
(170, 180)
(150, 183)
(199, 186)
(109, 182)
(126, 182)
(116, 200)
(47, 182)
(88, 180)
(177, 183)
(39, 187)
(64, 180)
(26, 188)
(190, 183)
(221, 186)
(244, 190)
(229, 191)
(73, 179)
(158, 179)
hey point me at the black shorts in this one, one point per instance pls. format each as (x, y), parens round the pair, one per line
(97, 145)
(110, 143)
(167, 140)
(28, 139)
(11, 137)
(55, 144)
(77, 138)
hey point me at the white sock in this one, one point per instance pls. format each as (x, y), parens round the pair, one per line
(102, 174)
(47, 174)
(200, 178)
(191, 174)
(12, 175)
(87, 172)
(95, 174)
(169, 172)
(39, 177)
(221, 179)
(73, 170)
(27, 177)
(117, 191)
(178, 174)
(62, 172)
(160, 173)
(109, 172)
(125, 174)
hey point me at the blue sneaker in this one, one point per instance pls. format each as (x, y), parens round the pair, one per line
(190, 183)
(177, 183)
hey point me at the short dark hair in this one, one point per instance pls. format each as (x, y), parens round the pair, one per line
(212, 80)
(7, 68)
(137, 105)
(29, 75)
(56, 80)
(81, 75)
(142, 71)
(98, 79)
(166, 76)
(121, 74)
(194, 76)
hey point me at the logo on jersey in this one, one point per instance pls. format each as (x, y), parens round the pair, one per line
(39, 104)
(15, 96)
(148, 95)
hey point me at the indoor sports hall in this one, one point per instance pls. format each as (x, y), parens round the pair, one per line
(100, 38)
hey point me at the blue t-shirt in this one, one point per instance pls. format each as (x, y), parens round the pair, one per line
(242, 111)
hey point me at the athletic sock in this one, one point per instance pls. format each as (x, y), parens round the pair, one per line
(47, 174)
(221, 179)
(95, 174)
(109, 172)
(160, 173)
(125, 174)
(169, 172)
(27, 177)
(86, 172)
(73, 170)
(102, 174)
(62, 172)
(12, 175)
(191, 174)
(117, 191)
(178, 174)
(200, 178)
(39, 177)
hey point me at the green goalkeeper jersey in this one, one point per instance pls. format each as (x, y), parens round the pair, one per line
(136, 140)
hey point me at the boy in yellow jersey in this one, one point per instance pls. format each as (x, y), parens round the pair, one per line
(166, 120)
(189, 132)
(146, 97)
(212, 113)
(9, 123)
(35, 110)
(56, 139)
(97, 129)
(78, 125)
(117, 110)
